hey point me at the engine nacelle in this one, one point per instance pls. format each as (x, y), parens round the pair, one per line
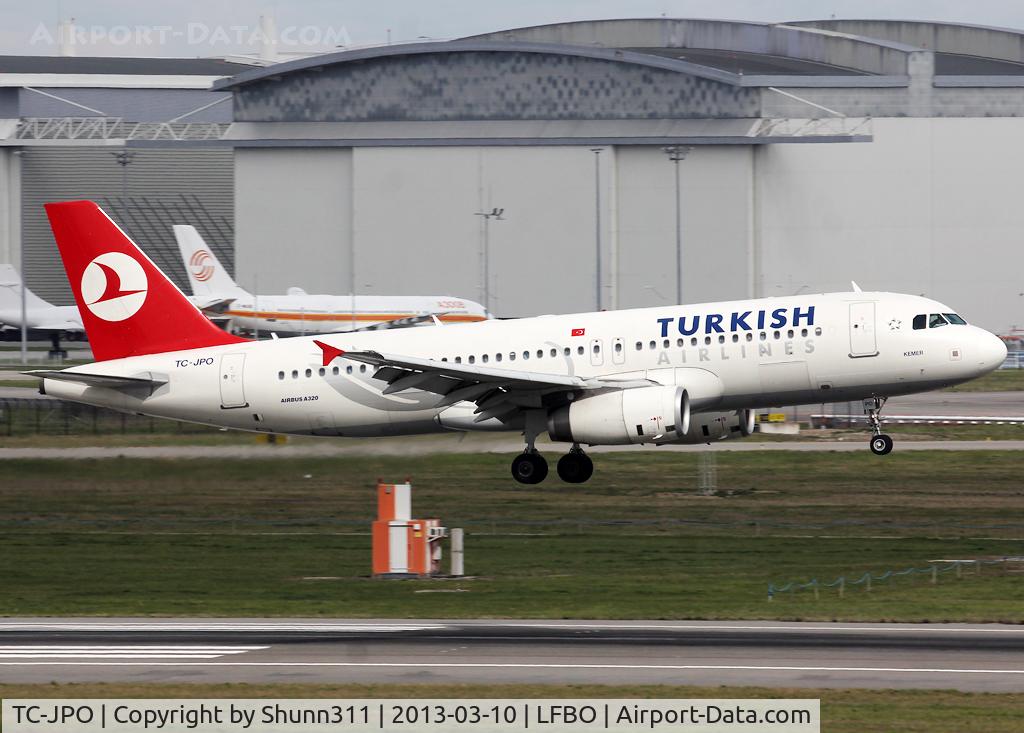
(654, 414)
(706, 427)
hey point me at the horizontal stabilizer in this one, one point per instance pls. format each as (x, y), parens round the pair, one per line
(100, 380)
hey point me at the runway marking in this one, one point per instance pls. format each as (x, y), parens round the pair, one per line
(469, 628)
(474, 665)
(174, 626)
(135, 651)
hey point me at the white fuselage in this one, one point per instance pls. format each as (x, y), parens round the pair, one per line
(842, 346)
(318, 314)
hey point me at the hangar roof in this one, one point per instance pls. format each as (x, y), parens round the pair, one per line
(115, 65)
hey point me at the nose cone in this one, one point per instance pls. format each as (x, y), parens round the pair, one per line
(990, 351)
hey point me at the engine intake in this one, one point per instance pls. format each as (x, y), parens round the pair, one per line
(654, 414)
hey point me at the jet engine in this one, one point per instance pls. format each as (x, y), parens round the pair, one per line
(653, 414)
(706, 427)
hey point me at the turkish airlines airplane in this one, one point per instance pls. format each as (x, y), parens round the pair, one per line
(301, 313)
(673, 374)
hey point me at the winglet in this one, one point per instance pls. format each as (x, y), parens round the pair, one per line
(855, 286)
(330, 352)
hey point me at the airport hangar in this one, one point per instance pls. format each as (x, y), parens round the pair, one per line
(880, 151)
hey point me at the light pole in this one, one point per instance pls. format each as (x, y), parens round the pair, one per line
(485, 253)
(597, 225)
(677, 153)
(124, 159)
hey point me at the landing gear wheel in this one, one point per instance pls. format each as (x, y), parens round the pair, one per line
(529, 468)
(575, 467)
(881, 444)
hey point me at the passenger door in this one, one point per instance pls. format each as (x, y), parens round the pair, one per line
(862, 330)
(232, 383)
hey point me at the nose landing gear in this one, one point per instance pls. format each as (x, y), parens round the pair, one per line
(880, 443)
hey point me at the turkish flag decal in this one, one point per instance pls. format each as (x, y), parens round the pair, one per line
(578, 331)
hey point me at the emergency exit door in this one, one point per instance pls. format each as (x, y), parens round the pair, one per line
(862, 330)
(232, 384)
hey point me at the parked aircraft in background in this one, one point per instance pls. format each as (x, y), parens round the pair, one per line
(55, 320)
(299, 313)
(672, 374)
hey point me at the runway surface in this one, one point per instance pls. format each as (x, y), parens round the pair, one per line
(775, 654)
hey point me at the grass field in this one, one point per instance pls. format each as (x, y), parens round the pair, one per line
(226, 537)
(1001, 380)
(842, 711)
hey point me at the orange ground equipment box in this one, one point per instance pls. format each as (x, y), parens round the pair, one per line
(404, 547)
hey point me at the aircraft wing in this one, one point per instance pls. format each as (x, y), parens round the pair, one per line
(498, 393)
(100, 380)
(57, 326)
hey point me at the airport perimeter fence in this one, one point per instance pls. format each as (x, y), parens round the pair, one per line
(933, 571)
(26, 416)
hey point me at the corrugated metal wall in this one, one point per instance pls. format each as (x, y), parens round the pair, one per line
(164, 187)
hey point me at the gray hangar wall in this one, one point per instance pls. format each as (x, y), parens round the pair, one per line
(406, 219)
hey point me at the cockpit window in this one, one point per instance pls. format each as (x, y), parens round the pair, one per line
(920, 321)
(955, 319)
(935, 320)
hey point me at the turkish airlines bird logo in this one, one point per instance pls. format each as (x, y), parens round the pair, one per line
(201, 264)
(114, 286)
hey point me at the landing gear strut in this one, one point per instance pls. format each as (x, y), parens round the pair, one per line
(575, 467)
(530, 467)
(881, 444)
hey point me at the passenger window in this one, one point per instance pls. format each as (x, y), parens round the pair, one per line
(955, 319)
(511, 356)
(654, 344)
(323, 372)
(348, 370)
(665, 344)
(764, 336)
(639, 346)
(526, 354)
(540, 353)
(721, 339)
(778, 335)
(707, 340)
(735, 338)
(803, 333)
(750, 336)
(554, 352)
(497, 357)
(579, 350)
(597, 349)
(693, 341)
(789, 333)
(484, 358)
(458, 359)
(309, 372)
(817, 331)
(472, 359)
(565, 351)
(920, 321)
(295, 374)
(362, 368)
(336, 371)
(618, 347)
(935, 320)
(280, 375)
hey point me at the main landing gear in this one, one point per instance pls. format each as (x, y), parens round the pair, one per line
(575, 467)
(881, 444)
(529, 467)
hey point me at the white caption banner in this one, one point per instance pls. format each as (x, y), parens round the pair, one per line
(410, 715)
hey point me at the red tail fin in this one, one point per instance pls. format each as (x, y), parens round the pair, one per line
(128, 306)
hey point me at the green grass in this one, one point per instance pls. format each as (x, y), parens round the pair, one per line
(232, 537)
(842, 711)
(1001, 380)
